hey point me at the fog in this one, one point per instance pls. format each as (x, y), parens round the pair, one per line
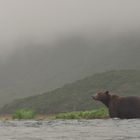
(48, 43)
(45, 20)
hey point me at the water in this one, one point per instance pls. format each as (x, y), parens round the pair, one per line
(109, 129)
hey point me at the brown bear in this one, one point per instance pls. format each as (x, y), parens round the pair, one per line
(120, 107)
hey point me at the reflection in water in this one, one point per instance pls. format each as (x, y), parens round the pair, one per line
(109, 129)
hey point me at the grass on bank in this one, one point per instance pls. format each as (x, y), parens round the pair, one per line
(24, 114)
(30, 114)
(94, 114)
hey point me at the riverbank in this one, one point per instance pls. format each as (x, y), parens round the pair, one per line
(92, 114)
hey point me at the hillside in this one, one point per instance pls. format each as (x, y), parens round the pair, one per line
(77, 95)
(35, 68)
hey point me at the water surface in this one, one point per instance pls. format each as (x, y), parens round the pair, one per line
(109, 129)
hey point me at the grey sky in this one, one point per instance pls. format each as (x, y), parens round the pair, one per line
(41, 19)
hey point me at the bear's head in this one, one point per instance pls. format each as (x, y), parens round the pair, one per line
(104, 97)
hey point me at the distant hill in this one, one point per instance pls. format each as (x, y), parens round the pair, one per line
(35, 68)
(77, 96)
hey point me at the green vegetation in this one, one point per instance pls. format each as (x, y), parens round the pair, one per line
(24, 114)
(77, 96)
(94, 114)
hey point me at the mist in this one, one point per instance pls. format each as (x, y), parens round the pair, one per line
(47, 20)
(48, 43)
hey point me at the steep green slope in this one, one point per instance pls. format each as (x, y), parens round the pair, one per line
(77, 96)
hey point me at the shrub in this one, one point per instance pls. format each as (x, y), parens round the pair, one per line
(24, 114)
(94, 114)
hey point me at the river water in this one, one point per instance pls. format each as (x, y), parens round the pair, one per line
(108, 129)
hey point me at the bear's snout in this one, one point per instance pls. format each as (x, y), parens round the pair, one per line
(95, 97)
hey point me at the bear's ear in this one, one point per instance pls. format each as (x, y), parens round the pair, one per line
(107, 92)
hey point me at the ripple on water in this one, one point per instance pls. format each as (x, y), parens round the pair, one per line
(98, 129)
